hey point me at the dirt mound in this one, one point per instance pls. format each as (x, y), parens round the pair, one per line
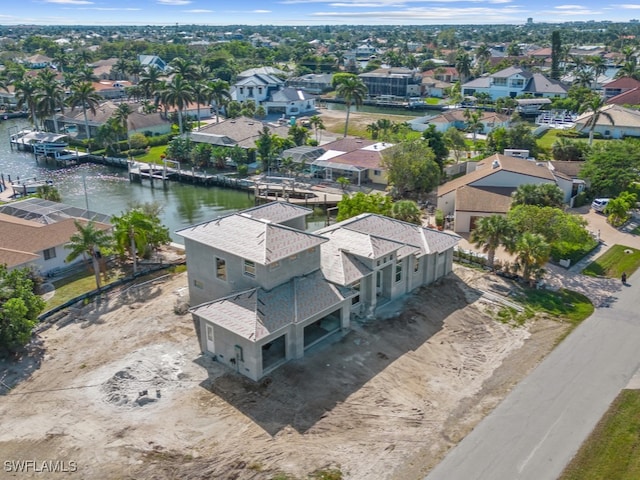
(146, 376)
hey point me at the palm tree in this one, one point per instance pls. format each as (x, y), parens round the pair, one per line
(353, 91)
(135, 68)
(121, 68)
(183, 67)
(84, 94)
(532, 252)
(201, 94)
(407, 211)
(50, 96)
(131, 233)
(373, 130)
(121, 114)
(88, 240)
(629, 69)
(491, 232)
(483, 54)
(384, 124)
(219, 91)
(463, 65)
(177, 93)
(598, 65)
(474, 122)
(150, 80)
(317, 124)
(595, 104)
(26, 91)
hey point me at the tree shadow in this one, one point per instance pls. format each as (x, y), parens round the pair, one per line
(20, 366)
(303, 391)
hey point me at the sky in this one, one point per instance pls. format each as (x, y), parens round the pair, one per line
(310, 12)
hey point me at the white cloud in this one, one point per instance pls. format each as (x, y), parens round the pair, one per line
(629, 6)
(174, 2)
(70, 2)
(261, 11)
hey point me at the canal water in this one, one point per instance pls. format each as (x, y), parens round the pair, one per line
(108, 190)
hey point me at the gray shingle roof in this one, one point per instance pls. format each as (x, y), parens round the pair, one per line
(257, 313)
(277, 212)
(253, 239)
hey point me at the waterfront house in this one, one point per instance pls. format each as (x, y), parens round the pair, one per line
(264, 291)
(315, 83)
(614, 121)
(34, 233)
(456, 118)
(392, 82)
(137, 122)
(513, 82)
(356, 159)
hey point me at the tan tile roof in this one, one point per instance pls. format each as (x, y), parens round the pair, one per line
(622, 117)
(22, 239)
(256, 313)
(14, 258)
(485, 169)
(347, 144)
(243, 130)
(253, 239)
(485, 200)
(569, 169)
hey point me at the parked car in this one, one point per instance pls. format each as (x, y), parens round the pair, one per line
(599, 204)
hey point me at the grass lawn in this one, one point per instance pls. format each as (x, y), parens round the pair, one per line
(613, 262)
(570, 306)
(612, 451)
(153, 156)
(76, 285)
(433, 101)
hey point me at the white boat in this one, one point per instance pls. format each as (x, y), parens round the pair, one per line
(29, 186)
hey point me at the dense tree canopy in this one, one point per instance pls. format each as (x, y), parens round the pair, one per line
(611, 167)
(542, 195)
(411, 168)
(360, 202)
(19, 309)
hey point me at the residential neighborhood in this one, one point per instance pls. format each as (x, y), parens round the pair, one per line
(319, 251)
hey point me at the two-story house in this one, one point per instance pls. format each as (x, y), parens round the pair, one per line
(256, 87)
(270, 92)
(394, 82)
(264, 291)
(513, 82)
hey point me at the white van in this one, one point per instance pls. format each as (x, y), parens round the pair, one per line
(599, 204)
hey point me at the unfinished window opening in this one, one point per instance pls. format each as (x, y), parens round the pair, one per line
(250, 268)
(221, 269)
(398, 272)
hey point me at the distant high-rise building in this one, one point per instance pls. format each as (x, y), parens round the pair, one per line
(530, 20)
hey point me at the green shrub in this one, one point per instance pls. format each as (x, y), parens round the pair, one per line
(580, 200)
(160, 140)
(138, 141)
(439, 218)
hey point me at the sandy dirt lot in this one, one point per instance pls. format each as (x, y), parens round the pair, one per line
(333, 121)
(120, 388)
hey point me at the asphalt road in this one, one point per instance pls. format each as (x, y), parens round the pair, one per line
(540, 425)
